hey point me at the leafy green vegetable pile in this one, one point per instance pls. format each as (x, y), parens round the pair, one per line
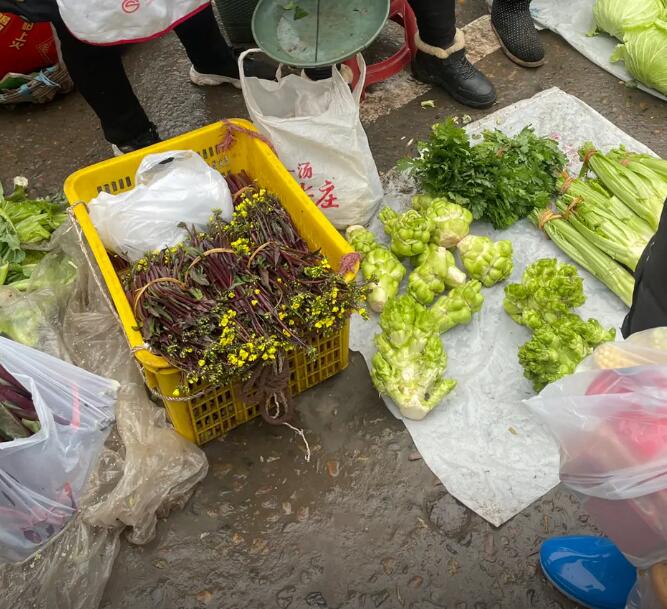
(26, 226)
(24, 223)
(543, 302)
(410, 360)
(641, 25)
(603, 222)
(500, 180)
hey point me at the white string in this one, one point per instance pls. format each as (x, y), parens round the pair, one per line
(299, 432)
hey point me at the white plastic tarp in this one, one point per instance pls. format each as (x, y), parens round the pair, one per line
(482, 443)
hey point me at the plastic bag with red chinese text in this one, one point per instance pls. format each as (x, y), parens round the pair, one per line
(315, 129)
(610, 419)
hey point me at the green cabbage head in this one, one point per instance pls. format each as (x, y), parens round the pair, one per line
(645, 55)
(616, 17)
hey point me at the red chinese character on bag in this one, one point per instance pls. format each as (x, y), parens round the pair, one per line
(307, 189)
(328, 199)
(304, 171)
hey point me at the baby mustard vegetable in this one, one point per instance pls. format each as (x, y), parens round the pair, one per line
(384, 272)
(451, 222)
(485, 260)
(410, 232)
(361, 239)
(458, 306)
(428, 279)
(410, 360)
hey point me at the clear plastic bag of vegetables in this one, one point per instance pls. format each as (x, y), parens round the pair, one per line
(54, 419)
(610, 419)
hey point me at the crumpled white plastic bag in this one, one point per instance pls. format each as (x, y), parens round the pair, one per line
(643, 596)
(172, 188)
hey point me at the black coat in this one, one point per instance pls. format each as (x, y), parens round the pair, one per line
(32, 10)
(649, 301)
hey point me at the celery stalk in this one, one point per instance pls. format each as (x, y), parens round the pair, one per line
(587, 255)
(635, 159)
(606, 222)
(644, 195)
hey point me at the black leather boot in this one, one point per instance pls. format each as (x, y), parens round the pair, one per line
(516, 31)
(450, 69)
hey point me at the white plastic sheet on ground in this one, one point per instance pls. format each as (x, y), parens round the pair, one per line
(484, 446)
(573, 20)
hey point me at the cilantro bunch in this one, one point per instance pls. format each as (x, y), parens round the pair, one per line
(500, 180)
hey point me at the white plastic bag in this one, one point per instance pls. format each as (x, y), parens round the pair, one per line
(43, 476)
(172, 188)
(643, 595)
(315, 129)
(612, 428)
(120, 21)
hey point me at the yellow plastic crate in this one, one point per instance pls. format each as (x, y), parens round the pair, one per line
(218, 409)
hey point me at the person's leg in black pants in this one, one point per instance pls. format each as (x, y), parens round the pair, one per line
(441, 59)
(436, 20)
(99, 75)
(205, 46)
(213, 62)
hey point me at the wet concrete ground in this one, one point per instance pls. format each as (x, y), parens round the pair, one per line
(365, 523)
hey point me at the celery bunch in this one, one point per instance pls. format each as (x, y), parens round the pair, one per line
(585, 254)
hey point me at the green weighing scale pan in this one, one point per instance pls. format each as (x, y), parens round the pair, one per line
(317, 33)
